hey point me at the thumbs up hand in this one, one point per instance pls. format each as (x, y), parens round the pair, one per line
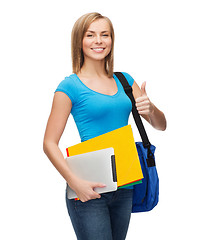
(143, 104)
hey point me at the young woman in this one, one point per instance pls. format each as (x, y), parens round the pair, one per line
(98, 103)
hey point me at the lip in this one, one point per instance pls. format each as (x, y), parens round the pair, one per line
(98, 49)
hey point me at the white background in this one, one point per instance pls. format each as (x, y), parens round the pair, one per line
(156, 41)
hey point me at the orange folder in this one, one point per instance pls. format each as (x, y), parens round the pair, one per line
(128, 167)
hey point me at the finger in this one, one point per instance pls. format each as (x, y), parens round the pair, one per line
(141, 99)
(143, 89)
(143, 104)
(145, 112)
(100, 185)
(143, 107)
(91, 195)
(95, 195)
(98, 195)
(97, 185)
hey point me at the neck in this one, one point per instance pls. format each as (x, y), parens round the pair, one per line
(93, 68)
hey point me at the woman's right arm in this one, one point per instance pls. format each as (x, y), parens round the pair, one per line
(60, 112)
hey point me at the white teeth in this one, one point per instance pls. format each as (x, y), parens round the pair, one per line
(98, 49)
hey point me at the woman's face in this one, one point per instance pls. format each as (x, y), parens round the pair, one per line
(97, 40)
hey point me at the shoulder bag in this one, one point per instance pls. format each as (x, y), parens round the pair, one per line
(145, 194)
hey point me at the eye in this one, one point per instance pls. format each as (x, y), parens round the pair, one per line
(105, 35)
(89, 35)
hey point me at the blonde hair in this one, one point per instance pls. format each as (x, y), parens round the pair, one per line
(79, 29)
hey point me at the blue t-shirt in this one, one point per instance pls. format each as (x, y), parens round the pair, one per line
(96, 113)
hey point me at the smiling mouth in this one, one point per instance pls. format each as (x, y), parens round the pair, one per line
(98, 49)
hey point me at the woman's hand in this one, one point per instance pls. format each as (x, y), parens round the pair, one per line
(85, 189)
(143, 104)
(147, 109)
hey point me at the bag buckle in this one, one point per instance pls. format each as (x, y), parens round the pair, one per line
(150, 159)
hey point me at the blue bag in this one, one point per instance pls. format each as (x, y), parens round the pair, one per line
(145, 194)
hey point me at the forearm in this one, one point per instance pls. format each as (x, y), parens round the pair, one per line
(56, 157)
(84, 189)
(157, 119)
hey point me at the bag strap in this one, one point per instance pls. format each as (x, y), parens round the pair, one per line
(137, 118)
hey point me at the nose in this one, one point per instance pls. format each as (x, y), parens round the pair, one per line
(98, 39)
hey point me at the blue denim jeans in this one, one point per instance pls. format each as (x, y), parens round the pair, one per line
(105, 218)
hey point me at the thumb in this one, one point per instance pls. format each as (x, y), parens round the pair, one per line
(143, 89)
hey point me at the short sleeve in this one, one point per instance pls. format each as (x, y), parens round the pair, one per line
(68, 87)
(129, 78)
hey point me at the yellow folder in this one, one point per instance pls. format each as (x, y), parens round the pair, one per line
(128, 167)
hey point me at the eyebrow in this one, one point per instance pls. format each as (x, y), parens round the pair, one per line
(94, 31)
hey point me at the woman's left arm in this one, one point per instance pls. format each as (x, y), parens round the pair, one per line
(147, 109)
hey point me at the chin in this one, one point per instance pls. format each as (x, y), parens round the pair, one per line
(96, 58)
